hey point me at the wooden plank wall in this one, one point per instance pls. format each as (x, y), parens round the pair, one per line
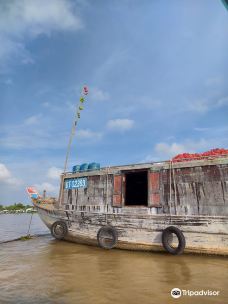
(199, 190)
(94, 195)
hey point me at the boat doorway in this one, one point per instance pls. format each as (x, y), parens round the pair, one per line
(136, 188)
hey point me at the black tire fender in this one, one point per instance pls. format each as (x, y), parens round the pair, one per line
(107, 237)
(167, 233)
(59, 230)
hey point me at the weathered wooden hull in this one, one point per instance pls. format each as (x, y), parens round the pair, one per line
(203, 234)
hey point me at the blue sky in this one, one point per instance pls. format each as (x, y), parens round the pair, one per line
(157, 73)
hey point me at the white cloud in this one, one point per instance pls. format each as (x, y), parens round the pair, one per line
(32, 120)
(12, 50)
(54, 173)
(22, 19)
(6, 176)
(169, 149)
(14, 181)
(201, 106)
(88, 134)
(188, 146)
(27, 135)
(222, 102)
(7, 81)
(205, 105)
(149, 102)
(46, 104)
(114, 60)
(120, 124)
(50, 188)
(201, 129)
(163, 150)
(125, 109)
(213, 81)
(135, 103)
(37, 17)
(98, 94)
(4, 172)
(27, 139)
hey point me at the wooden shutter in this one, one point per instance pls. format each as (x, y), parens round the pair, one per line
(154, 189)
(117, 191)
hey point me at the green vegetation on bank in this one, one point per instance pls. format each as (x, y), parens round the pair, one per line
(16, 208)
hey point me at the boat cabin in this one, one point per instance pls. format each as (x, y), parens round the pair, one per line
(198, 187)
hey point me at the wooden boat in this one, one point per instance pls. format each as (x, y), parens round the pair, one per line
(175, 206)
(166, 206)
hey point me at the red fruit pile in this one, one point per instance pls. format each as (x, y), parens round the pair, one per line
(197, 156)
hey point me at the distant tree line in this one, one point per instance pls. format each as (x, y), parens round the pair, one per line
(18, 206)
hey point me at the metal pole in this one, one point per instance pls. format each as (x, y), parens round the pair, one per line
(69, 144)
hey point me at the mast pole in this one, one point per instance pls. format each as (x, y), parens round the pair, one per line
(79, 108)
(69, 145)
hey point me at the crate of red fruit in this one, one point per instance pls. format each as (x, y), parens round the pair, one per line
(214, 153)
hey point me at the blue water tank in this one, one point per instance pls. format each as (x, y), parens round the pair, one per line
(76, 168)
(84, 167)
(94, 166)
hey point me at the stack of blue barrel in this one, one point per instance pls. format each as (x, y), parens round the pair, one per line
(86, 167)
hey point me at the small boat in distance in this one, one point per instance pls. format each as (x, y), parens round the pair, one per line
(179, 205)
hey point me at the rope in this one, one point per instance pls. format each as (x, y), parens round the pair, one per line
(30, 224)
(106, 199)
(175, 192)
(24, 238)
(170, 187)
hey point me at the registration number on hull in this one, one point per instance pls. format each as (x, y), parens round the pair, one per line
(75, 183)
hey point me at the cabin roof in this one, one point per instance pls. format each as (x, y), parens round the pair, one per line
(153, 166)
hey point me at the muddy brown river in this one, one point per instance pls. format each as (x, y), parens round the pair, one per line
(43, 270)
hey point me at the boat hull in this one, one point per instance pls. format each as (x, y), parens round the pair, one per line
(203, 234)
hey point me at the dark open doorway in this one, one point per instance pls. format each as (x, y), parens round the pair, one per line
(136, 192)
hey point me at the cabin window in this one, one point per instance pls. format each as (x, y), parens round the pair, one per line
(136, 188)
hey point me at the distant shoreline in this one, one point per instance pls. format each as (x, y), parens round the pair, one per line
(17, 212)
(18, 208)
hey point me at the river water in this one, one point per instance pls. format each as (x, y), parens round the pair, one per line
(43, 270)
